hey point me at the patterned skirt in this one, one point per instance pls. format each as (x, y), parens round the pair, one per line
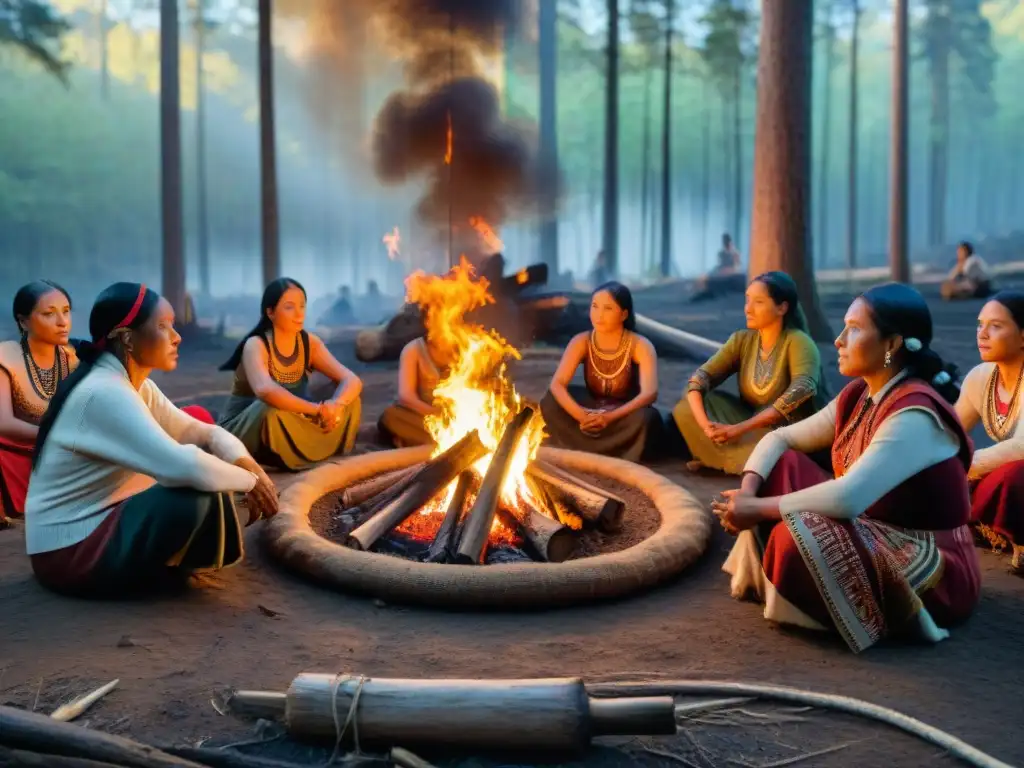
(864, 578)
(997, 510)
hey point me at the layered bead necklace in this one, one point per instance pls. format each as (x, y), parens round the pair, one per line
(44, 382)
(999, 425)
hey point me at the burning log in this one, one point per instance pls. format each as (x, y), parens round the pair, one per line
(355, 495)
(598, 507)
(551, 540)
(371, 506)
(425, 484)
(442, 548)
(473, 544)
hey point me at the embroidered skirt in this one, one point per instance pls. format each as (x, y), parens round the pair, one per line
(864, 578)
(403, 427)
(637, 435)
(15, 469)
(150, 540)
(997, 506)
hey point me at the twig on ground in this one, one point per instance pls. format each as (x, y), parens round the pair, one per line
(39, 690)
(806, 756)
(69, 712)
(701, 750)
(406, 759)
(664, 753)
(700, 707)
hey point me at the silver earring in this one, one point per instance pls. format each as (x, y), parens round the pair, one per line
(888, 358)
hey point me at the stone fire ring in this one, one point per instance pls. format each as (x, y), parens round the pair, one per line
(682, 537)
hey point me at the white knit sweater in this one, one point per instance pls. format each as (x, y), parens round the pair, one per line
(110, 442)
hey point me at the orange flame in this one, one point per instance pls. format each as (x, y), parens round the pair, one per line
(448, 145)
(477, 393)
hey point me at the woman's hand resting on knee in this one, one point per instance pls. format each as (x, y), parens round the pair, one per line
(741, 509)
(262, 499)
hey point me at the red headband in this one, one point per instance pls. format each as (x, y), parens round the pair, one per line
(128, 319)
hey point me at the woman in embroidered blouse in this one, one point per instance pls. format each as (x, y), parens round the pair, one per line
(127, 490)
(991, 394)
(268, 409)
(884, 547)
(422, 365)
(33, 367)
(612, 412)
(779, 372)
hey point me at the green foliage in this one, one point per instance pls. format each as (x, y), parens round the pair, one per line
(958, 30)
(35, 28)
(728, 44)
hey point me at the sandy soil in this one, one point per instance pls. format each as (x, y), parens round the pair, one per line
(256, 627)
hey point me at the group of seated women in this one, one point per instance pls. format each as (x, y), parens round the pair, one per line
(855, 515)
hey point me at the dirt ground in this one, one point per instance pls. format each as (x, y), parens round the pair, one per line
(256, 626)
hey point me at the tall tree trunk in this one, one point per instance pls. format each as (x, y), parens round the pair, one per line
(938, 139)
(780, 227)
(173, 271)
(610, 228)
(821, 248)
(737, 153)
(268, 150)
(203, 226)
(646, 220)
(851, 150)
(899, 261)
(666, 148)
(547, 23)
(705, 172)
(104, 52)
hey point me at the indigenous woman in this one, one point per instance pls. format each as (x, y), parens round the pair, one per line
(33, 368)
(128, 490)
(612, 412)
(422, 365)
(269, 410)
(883, 547)
(991, 394)
(779, 372)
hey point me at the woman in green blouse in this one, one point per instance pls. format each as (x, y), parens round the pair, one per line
(779, 375)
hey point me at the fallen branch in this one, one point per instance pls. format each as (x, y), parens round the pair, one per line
(16, 758)
(945, 741)
(807, 756)
(69, 712)
(703, 707)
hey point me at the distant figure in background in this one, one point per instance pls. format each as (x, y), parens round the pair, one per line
(340, 312)
(421, 367)
(33, 367)
(726, 277)
(599, 273)
(268, 409)
(970, 278)
(613, 414)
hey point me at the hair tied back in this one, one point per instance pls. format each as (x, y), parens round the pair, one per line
(941, 379)
(912, 344)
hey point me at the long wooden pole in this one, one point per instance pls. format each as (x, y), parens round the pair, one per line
(269, 220)
(172, 217)
(899, 262)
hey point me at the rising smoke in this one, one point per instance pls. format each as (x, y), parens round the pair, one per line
(494, 171)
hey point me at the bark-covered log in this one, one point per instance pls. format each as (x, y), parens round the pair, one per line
(598, 507)
(427, 483)
(473, 542)
(366, 490)
(552, 541)
(442, 549)
(371, 506)
(672, 342)
(30, 732)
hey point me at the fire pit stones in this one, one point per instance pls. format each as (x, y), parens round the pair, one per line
(682, 537)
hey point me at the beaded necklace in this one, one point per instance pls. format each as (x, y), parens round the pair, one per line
(44, 382)
(999, 425)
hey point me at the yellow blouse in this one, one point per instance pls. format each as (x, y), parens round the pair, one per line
(790, 379)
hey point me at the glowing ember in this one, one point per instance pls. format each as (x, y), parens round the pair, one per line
(490, 240)
(477, 393)
(392, 240)
(448, 142)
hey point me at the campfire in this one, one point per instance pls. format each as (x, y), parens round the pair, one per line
(484, 496)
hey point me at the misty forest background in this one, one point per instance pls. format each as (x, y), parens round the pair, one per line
(80, 159)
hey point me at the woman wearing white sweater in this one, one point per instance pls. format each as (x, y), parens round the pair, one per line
(991, 394)
(126, 489)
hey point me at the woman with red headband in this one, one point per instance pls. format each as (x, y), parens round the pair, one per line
(270, 410)
(32, 368)
(127, 490)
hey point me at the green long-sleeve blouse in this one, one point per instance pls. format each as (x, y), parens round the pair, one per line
(790, 379)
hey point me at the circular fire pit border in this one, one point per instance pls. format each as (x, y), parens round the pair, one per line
(682, 537)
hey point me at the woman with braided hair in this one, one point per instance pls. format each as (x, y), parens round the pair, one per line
(33, 367)
(881, 547)
(127, 489)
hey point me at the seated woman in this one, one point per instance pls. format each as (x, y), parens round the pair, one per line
(884, 548)
(268, 409)
(779, 373)
(422, 365)
(127, 490)
(970, 277)
(612, 413)
(34, 366)
(991, 395)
